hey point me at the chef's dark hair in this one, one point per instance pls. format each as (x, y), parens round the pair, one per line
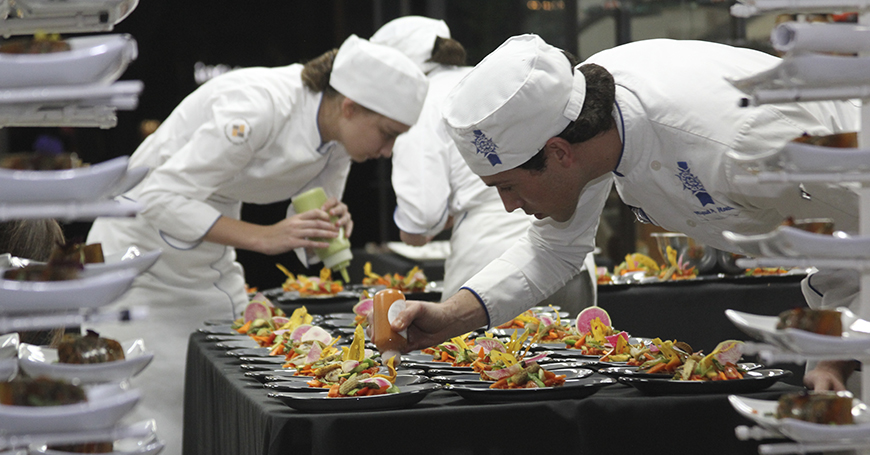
(448, 51)
(595, 116)
(315, 73)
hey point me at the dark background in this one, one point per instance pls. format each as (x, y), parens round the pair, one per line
(172, 36)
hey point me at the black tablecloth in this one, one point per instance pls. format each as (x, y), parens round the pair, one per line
(228, 413)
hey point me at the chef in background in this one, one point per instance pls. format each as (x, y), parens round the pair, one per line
(436, 190)
(657, 119)
(255, 135)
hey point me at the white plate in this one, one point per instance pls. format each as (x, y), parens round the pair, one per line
(79, 184)
(787, 241)
(763, 412)
(149, 448)
(796, 156)
(855, 339)
(89, 95)
(106, 405)
(131, 259)
(98, 59)
(42, 361)
(132, 178)
(116, 9)
(87, 292)
(69, 211)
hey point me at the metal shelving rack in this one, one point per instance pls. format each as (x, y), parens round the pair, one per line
(861, 185)
(70, 16)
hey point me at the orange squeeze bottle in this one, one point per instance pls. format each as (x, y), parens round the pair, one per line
(388, 303)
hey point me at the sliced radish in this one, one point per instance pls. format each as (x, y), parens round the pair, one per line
(313, 353)
(364, 307)
(613, 338)
(490, 344)
(257, 310)
(297, 333)
(317, 333)
(381, 383)
(585, 318)
(504, 372)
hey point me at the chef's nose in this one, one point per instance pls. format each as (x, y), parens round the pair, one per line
(510, 203)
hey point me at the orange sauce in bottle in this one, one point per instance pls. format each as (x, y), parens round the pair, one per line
(388, 342)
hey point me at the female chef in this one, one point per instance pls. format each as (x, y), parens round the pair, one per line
(448, 193)
(656, 118)
(256, 135)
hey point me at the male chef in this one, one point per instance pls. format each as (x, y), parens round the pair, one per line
(659, 120)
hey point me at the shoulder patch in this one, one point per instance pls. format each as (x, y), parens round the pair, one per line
(238, 131)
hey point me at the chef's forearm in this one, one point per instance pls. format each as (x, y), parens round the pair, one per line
(468, 310)
(236, 233)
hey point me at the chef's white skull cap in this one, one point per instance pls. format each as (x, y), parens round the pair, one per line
(413, 36)
(379, 78)
(504, 111)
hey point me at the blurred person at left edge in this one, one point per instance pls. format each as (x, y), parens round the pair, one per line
(256, 135)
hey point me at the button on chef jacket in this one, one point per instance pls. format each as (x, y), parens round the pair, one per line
(678, 117)
(250, 136)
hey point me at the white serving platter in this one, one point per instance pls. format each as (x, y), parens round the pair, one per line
(88, 292)
(67, 16)
(787, 241)
(99, 59)
(80, 106)
(855, 339)
(106, 405)
(131, 259)
(763, 413)
(43, 361)
(69, 211)
(86, 183)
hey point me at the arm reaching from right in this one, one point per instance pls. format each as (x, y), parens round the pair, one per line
(829, 375)
(431, 323)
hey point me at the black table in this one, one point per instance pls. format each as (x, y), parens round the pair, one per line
(228, 413)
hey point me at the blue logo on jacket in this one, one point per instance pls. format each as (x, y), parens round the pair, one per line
(486, 146)
(693, 184)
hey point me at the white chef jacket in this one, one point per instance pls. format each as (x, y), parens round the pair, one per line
(677, 117)
(250, 136)
(432, 181)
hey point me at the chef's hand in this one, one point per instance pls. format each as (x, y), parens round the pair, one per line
(431, 323)
(285, 235)
(298, 231)
(338, 209)
(414, 239)
(829, 375)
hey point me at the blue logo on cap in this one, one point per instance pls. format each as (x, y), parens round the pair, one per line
(693, 184)
(486, 146)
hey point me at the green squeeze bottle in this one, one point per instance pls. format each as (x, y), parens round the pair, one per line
(337, 255)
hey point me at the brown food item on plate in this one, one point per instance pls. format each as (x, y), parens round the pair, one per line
(88, 447)
(35, 45)
(35, 161)
(75, 252)
(823, 407)
(90, 348)
(44, 272)
(823, 322)
(40, 392)
(837, 140)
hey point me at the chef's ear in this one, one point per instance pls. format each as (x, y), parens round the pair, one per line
(558, 150)
(349, 107)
